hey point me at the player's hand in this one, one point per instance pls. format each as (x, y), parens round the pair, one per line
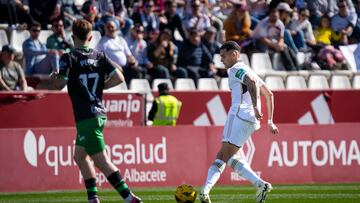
(54, 74)
(273, 128)
(258, 114)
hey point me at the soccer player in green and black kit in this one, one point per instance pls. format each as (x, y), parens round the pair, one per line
(87, 72)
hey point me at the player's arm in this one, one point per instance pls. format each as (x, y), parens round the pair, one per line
(250, 83)
(114, 78)
(269, 97)
(60, 78)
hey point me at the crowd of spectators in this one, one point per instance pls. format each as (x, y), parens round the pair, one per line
(178, 39)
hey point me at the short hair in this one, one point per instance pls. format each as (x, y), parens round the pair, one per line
(81, 29)
(163, 87)
(55, 20)
(231, 45)
(35, 24)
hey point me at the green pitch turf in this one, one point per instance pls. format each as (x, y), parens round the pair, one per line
(337, 193)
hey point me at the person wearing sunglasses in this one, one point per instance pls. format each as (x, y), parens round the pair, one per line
(38, 58)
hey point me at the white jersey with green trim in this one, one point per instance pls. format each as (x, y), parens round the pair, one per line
(241, 103)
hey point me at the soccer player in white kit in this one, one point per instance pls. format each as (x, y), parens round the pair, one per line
(243, 119)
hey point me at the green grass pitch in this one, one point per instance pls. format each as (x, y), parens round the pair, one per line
(325, 193)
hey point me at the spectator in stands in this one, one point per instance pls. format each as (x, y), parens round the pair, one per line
(13, 12)
(12, 76)
(330, 58)
(343, 22)
(302, 25)
(208, 39)
(355, 37)
(38, 58)
(171, 20)
(45, 11)
(116, 48)
(59, 40)
(165, 109)
(289, 35)
(115, 12)
(357, 57)
(71, 12)
(197, 19)
(269, 35)
(237, 25)
(324, 35)
(317, 9)
(258, 9)
(147, 17)
(195, 57)
(212, 46)
(334, 8)
(163, 53)
(90, 12)
(137, 46)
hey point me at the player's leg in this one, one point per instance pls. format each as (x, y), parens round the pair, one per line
(95, 147)
(87, 171)
(102, 162)
(244, 130)
(218, 166)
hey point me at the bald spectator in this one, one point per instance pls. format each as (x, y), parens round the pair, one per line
(117, 49)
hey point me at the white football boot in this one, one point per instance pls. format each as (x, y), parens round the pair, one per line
(205, 198)
(262, 191)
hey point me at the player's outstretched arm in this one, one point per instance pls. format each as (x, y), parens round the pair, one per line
(269, 96)
(115, 78)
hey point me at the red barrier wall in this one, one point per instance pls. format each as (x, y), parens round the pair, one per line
(41, 158)
(53, 109)
(290, 106)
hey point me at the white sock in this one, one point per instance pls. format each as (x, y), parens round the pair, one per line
(213, 176)
(241, 167)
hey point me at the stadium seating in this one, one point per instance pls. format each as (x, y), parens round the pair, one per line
(300, 56)
(217, 61)
(118, 88)
(318, 82)
(17, 39)
(261, 63)
(3, 38)
(275, 82)
(325, 73)
(44, 34)
(356, 82)
(142, 86)
(157, 81)
(295, 82)
(64, 89)
(245, 59)
(277, 63)
(340, 82)
(207, 84)
(185, 84)
(224, 84)
(96, 36)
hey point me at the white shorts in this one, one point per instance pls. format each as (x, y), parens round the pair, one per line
(237, 131)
